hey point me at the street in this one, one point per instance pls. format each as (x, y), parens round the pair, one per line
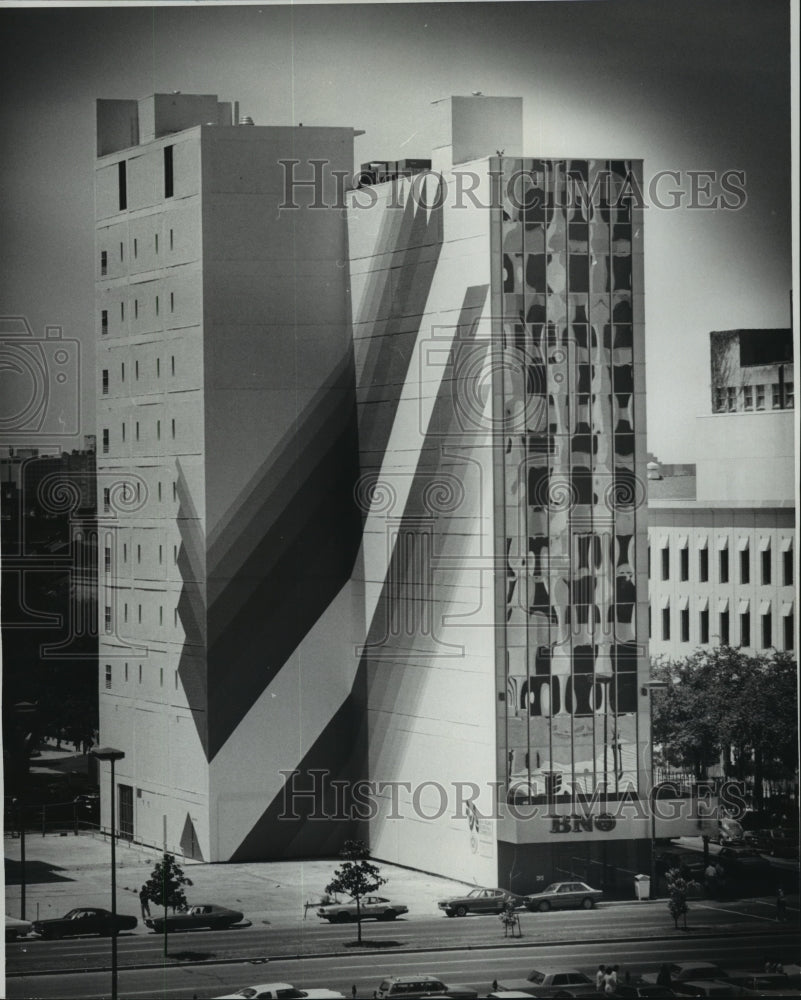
(469, 951)
(474, 968)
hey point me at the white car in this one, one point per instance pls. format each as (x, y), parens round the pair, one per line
(16, 928)
(377, 907)
(280, 991)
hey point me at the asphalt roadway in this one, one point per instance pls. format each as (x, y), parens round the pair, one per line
(472, 951)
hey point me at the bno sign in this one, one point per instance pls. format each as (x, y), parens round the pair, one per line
(583, 824)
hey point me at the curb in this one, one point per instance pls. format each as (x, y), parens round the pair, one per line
(340, 954)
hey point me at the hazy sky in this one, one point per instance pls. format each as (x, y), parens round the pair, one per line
(690, 85)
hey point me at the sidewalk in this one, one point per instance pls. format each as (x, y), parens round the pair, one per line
(67, 871)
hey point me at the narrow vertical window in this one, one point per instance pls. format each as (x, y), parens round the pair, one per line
(724, 566)
(136, 370)
(666, 623)
(107, 617)
(122, 431)
(106, 499)
(158, 360)
(136, 247)
(745, 628)
(122, 312)
(172, 240)
(157, 305)
(172, 364)
(108, 676)
(158, 430)
(745, 561)
(789, 631)
(156, 242)
(172, 427)
(724, 628)
(122, 252)
(684, 563)
(703, 627)
(122, 371)
(104, 322)
(103, 262)
(107, 558)
(665, 562)
(104, 382)
(105, 440)
(168, 175)
(703, 565)
(766, 562)
(767, 630)
(122, 179)
(172, 301)
(136, 308)
(787, 563)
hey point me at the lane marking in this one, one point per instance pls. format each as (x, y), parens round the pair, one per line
(742, 913)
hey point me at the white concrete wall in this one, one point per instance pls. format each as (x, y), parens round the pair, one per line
(746, 457)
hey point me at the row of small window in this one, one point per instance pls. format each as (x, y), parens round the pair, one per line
(104, 380)
(107, 437)
(138, 551)
(752, 397)
(108, 618)
(128, 492)
(765, 563)
(104, 312)
(110, 676)
(724, 632)
(135, 247)
(122, 178)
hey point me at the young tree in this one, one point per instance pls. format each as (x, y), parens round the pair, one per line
(678, 889)
(165, 887)
(356, 877)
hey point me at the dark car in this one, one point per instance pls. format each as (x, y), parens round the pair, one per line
(552, 982)
(743, 862)
(564, 896)
(777, 843)
(684, 972)
(84, 920)
(217, 918)
(642, 991)
(479, 901)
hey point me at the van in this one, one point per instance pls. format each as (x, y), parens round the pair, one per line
(409, 987)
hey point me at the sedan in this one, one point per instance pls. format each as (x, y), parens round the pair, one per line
(564, 896)
(548, 982)
(278, 991)
(84, 920)
(743, 861)
(778, 843)
(16, 928)
(479, 901)
(377, 907)
(684, 972)
(217, 918)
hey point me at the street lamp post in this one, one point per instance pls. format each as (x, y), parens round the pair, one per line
(25, 713)
(112, 756)
(649, 689)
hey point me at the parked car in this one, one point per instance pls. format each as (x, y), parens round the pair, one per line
(729, 831)
(376, 907)
(711, 988)
(209, 915)
(777, 843)
(17, 928)
(550, 981)
(278, 991)
(421, 984)
(641, 991)
(745, 862)
(84, 920)
(683, 972)
(479, 901)
(564, 896)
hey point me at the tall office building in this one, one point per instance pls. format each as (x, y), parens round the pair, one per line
(227, 452)
(394, 577)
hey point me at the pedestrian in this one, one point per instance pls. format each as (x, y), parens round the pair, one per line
(353, 991)
(664, 977)
(494, 985)
(144, 901)
(781, 906)
(599, 977)
(609, 982)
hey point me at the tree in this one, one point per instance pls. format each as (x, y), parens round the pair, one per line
(721, 701)
(356, 877)
(678, 889)
(165, 887)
